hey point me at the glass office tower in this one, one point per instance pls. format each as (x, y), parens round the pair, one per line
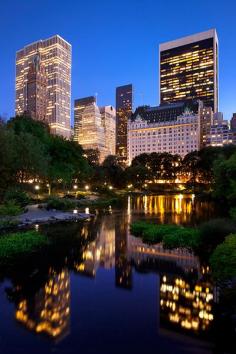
(189, 69)
(124, 105)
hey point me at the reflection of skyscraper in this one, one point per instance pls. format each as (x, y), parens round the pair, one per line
(123, 269)
(124, 105)
(55, 57)
(48, 311)
(185, 305)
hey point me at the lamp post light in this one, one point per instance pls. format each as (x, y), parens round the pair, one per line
(110, 187)
(37, 188)
(86, 187)
(75, 187)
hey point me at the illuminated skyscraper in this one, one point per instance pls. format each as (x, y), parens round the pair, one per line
(37, 90)
(91, 133)
(50, 61)
(108, 114)
(79, 106)
(124, 106)
(189, 69)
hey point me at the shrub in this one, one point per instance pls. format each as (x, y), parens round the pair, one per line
(8, 223)
(20, 244)
(173, 236)
(223, 259)
(18, 196)
(61, 203)
(182, 238)
(10, 208)
(213, 232)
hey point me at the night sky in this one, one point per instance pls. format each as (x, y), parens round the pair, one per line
(116, 42)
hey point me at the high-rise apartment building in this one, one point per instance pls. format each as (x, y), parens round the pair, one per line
(108, 114)
(189, 69)
(124, 106)
(45, 61)
(37, 90)
(91, 133)
(79, 106)
(94, 127)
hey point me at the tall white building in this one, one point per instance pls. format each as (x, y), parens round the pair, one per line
(94, 127)
(54, 55)
(91, 132)
(108, 114)
(164, 129)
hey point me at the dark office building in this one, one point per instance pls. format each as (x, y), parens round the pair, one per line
(189, 69)
(124, 105)
(79, 106)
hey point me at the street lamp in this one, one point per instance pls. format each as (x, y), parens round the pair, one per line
(110, 187)
(86, 187)
(37, 188)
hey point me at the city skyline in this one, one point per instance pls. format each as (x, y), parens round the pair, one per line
(105, 73)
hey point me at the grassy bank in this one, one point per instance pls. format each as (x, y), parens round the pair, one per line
(172, 236)
(20, 244)
(214, 240)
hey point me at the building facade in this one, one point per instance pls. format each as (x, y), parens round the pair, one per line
(79, 106)
(124, 106)
(220, 133)
(189, 69)
(175, 134)
(45, 61)
(108, 114)
(91, 134)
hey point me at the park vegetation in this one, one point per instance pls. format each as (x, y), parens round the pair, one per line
(215, 241)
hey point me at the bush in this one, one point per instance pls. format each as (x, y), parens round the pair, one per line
(223, 259)
(173, 236)
(18, 196)
(10, 208)
(8, 223)
(182, 238)
(61, 203)
(20, 244)
(213, 232)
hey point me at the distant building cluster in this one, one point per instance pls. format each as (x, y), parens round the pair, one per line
(186, 120)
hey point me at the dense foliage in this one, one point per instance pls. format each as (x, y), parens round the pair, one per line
(223, 259)
(30, 153)
(19, 244)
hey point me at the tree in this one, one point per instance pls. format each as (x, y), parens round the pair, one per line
(113, 171)
(225, 179)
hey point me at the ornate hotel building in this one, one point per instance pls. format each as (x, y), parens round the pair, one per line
(171, 128)
(124, 106)
(94, 127)
(189, 69)
(43, 83)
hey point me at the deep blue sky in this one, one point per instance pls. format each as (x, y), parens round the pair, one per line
(116, 42)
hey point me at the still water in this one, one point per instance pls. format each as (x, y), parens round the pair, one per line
(104, 291)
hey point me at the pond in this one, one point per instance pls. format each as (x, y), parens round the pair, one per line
(108, 292)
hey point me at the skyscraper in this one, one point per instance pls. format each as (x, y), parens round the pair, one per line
(45, 61)
(108, 114)
(189, 69)
(79, 106)
(124, 106)
(91, 133)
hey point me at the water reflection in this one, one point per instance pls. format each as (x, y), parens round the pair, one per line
(48, 311)
(178, 209)
(184, 295)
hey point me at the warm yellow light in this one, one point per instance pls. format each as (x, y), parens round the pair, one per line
(86, 187)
